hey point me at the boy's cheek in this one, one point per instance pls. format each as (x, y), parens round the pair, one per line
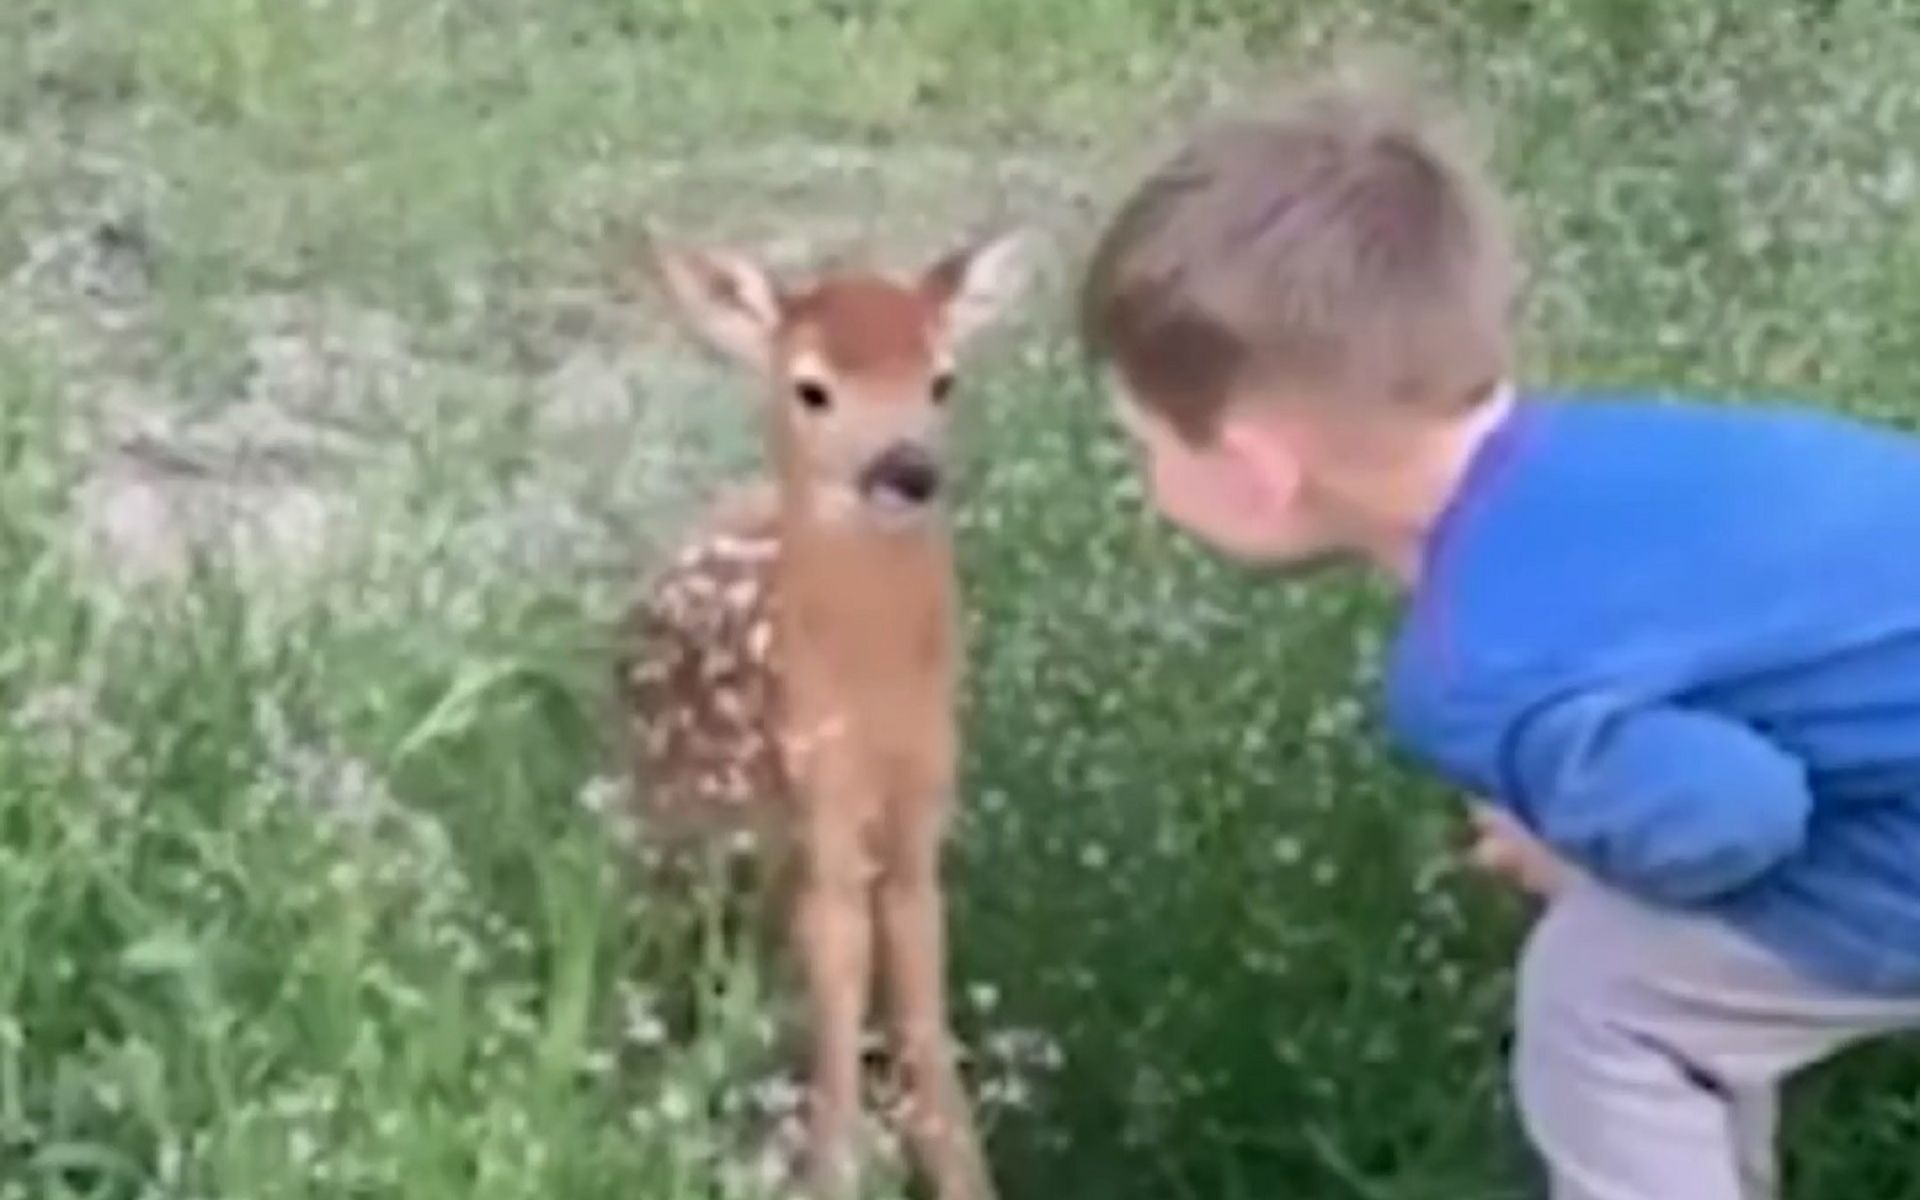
(1210, 498)
(1182, 495)
(1216, 517)
(1170, 504)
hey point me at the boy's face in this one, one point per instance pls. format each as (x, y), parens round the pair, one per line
(1239, 493)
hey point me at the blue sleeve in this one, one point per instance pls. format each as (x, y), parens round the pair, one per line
(1675, 805)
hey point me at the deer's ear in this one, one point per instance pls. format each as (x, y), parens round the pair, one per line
(727, 299)
(975, 284)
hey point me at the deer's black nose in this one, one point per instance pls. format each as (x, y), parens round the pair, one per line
(905, 470)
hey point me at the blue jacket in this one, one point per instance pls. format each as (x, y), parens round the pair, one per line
(1681, 642)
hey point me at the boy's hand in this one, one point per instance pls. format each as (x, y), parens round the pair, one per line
(1504, 847)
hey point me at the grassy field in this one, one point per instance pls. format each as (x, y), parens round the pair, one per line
(332, 428)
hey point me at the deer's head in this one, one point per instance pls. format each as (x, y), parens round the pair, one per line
(860, 366)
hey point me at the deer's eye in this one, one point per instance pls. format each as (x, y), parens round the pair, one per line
(813, 396)
(942, 387)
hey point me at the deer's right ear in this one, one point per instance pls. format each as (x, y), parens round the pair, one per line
(728, 300)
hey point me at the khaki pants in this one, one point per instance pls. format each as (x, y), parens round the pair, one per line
(1651, 1046)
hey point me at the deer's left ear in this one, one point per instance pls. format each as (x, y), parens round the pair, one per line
(975, 284)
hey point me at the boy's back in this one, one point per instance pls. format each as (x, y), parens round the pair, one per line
(1682, 641)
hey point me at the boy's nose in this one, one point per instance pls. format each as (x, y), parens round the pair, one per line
(904, 469)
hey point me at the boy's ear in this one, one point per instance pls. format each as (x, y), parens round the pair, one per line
(975, 284)
(1271, 468)
(727, 299)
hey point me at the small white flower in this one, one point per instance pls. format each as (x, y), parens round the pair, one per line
(600, 794)
(597, 1063)
(1009, 1092)
(644, 1026)
(776, 1096)
(675, 1105)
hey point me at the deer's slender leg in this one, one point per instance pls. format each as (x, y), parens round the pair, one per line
(834, 936)
(912, 911)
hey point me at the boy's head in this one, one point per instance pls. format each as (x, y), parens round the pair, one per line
(1292, 303)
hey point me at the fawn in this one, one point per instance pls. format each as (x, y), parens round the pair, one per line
(794, 671)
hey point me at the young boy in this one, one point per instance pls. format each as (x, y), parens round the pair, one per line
(1677, 645)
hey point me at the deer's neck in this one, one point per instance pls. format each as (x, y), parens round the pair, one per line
(831, 562)
(859, 592)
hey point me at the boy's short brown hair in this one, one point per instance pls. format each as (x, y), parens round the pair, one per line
(1341, 245)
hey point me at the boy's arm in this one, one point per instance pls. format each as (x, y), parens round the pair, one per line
(1672, 804)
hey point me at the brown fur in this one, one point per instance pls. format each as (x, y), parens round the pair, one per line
(796, 672)
(866, 326)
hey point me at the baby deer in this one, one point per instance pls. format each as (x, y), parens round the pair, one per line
(794, 671)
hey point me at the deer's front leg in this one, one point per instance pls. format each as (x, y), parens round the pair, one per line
(833, 932)
(940, 1126)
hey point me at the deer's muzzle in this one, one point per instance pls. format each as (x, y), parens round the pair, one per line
(903, 472)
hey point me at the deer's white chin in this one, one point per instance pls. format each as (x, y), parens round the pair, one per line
(889, 510)
(846, 505)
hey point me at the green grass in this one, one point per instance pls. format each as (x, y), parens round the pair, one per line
(303, 888)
